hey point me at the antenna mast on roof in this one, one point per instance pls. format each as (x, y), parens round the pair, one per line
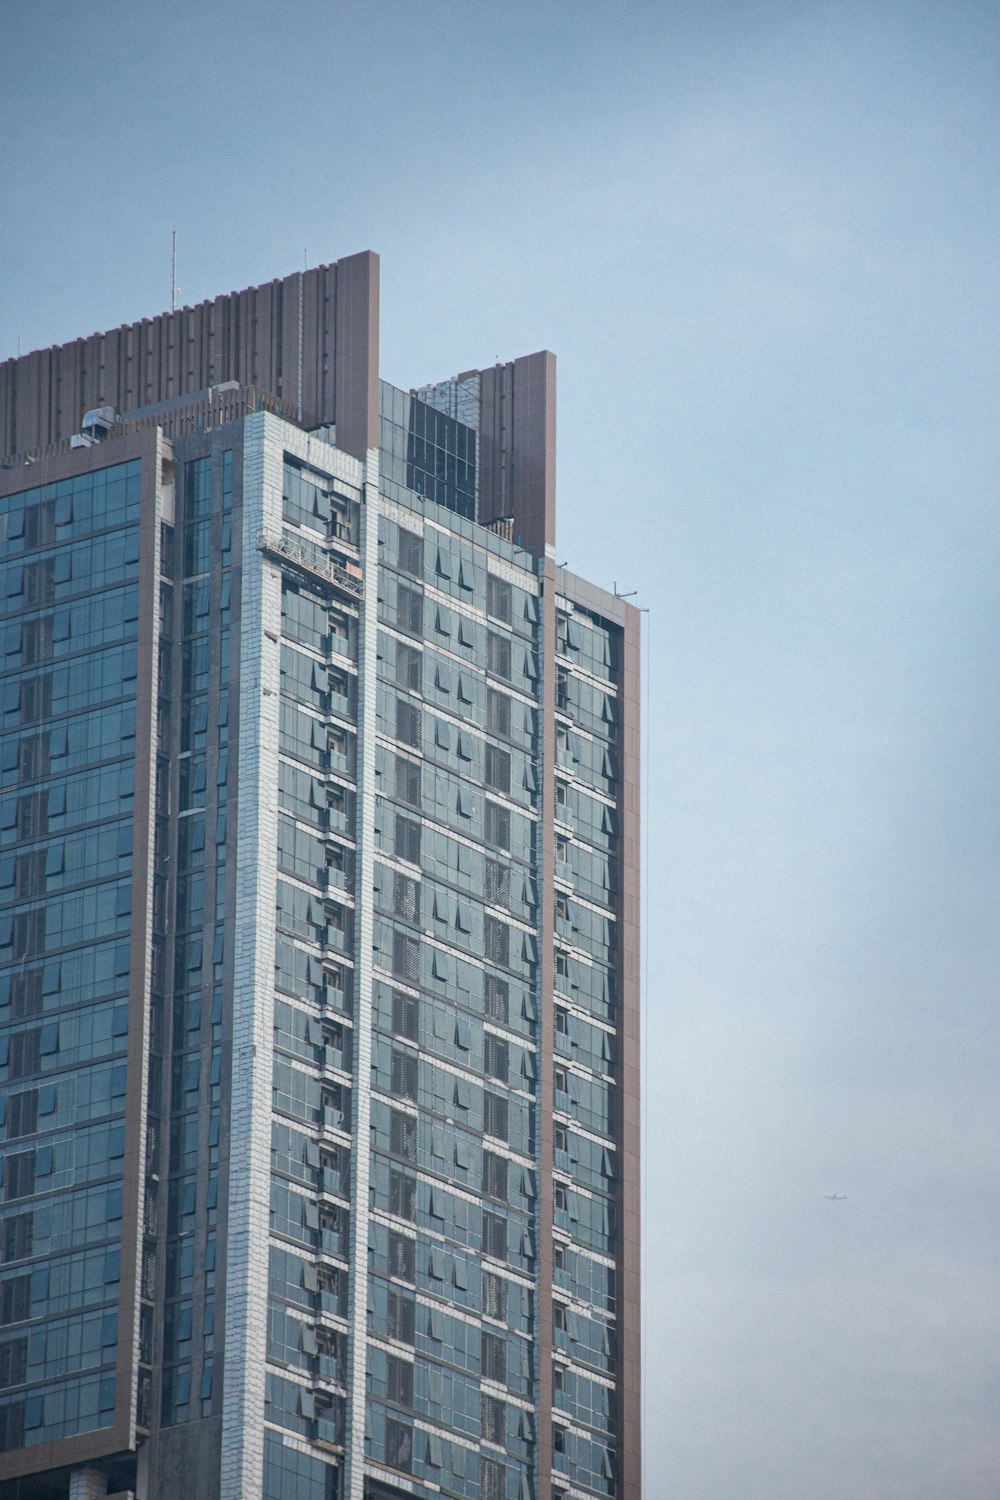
(173, 270)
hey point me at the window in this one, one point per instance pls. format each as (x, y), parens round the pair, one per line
(498, 712)
(398, 1440)
(496, 997)
(406, 957)
(408, 777)
(493, 1420)
(495, 1176)
(492, 1480)
(405, 897)
(496, 941)
(494, 1236)
(410, 610)
(36, 641)
(498, 654)
(410, 552)
(407, 839)
(22, 1114)
(340, 686)
(494, 1296)
(33, 756)
(497, 883)
(15, 1300)
(497, 1057)
(20, 1175)
(406, 1015)
(402, 1196)
(36, 698)
(497, 769)
(402, 1256)
(404, 1075)
(402, 1317)
(335, 1102)
(29, 874)
(13, 1363)
(38, 582)
(26, 995)
(18, 1237)
(495, 1115)
(40, 524)
(407, 722)
(400, 1382)
(497, 826)
(327, 1281)
(493, 1357)
(407, 666)
(11, 1426)
(403, 1135)
(499, 597)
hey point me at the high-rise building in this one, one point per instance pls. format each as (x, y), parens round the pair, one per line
(319, 805)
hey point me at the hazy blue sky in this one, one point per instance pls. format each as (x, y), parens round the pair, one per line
(761, 238)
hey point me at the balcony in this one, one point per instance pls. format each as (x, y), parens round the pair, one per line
(283, 548)
(335, 1241)
(333, 996)
(332, 1182)
(332, 1303)
(326, 1433)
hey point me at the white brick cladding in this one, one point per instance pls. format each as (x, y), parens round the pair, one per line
(354, 1477)
(87, 1484)
(253, 982)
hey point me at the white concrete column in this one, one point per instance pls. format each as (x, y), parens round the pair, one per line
(87, 1484)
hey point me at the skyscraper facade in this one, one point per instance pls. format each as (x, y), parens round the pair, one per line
(319, 955)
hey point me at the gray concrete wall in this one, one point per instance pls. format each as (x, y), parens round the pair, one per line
(181, 1462)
